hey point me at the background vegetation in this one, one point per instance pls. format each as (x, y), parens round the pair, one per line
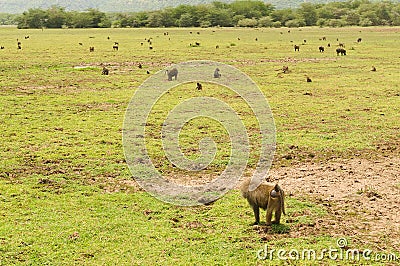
(238, 13)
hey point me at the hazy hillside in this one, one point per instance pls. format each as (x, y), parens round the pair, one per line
(19, 6)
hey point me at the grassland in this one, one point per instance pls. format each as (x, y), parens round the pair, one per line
(67, 196)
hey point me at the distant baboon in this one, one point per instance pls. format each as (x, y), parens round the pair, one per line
(198, 32)
(256, 39)
(197, 43)
(321, 49)
(116, 43)
(19, 43)
(329, 45)
(19, 47)
(199, 86)
(108, 37)
(148, 72)
(140, 65)
(359, 40)
(2, 47)
(324, 38)
(238, 39)
(296, 48)
(80, 43)
(373, 69)
(216, 73)
(104, 71)
(190, 32)
(115, 47)
(288, 31)
(308, 79)
(217, 46)
(151, 47)
(341, 45)
(285, 69)
(91, 49)
(26, 37)
(266, 196)
(141, 44)
(304, 41)
(172, 73)
(340, 51)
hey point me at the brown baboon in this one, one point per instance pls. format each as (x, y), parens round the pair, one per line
(256, 39)
(359, 40)
(108, 37)
(199, 86)
(329, 45)
(216, 73)
(321, 49)
(304, 41)
(148, 72)
(190, 32)
(80, 43)
(373, 69)
(216, 46)
(141, 44)
(104, 71)
(172, 73)
(2, 47)
(296, 48)
(266, 196)
(19, 47)
(308, 79)
(26, 37)
(197, 43)
(198, 32)
(115, 47)
(324, 38)
(91, 49)
(238, 39)
(140, 65)
(151, 47)
(340, 51)
(285, 69)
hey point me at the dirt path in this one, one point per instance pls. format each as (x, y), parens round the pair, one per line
(362, 198)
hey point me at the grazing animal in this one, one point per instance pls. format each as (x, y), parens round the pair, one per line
(340, 51)
(329, 45)
(115, 47)
(141, 44)
(341, 45)
(324, 38)
(172, 73)
(285, 69)
(197, 43)
(26, 37)
(304, 41)
(151, 47)
(80, 43)
(2, 47)
(91, 49)
(148, 72)
(359, 40)
(108, 37)
(199, 86)
(296, 48)
(308, 79)
(198, 32)
(140, 65)
(217, 46)
(266, 196)
(104, 71)
(321, 49)
(373, 69)
(116, 43)
(256, 39)
(216, 73)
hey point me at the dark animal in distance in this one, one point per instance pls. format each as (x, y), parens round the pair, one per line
(80, 43)
(359, 40)
(172, 73)
(321, 49)
(216, 73)
(340, 51)
(104, 71)
(266, 196)
(308, 79)
(216, 46)
(115, 47)
(296, 48)
(148, 72)
(2, 47)
(285, 69)
(140, 65)
(199, 86)
(373, 69)
(324, 38)
(91, 49)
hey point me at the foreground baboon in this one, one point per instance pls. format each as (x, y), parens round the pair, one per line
(266, 196)
(321, 49)
(296, 48)
(172, 73)
(216, 73)
(340, 51)
(199, 86)
(104, 71)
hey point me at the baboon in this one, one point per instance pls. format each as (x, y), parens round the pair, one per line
(285, 69)
(140, 65)
(341, 45)
(19, 43)
(266, 196)
(216, 73)
(256, 39)
(80, 43)
(199, 86)
(141, 44)
(238, 39)
(198, 32)
(108, 37)
(190, 32)
(172, 73)
(19, 47)
(340, 51)
(288, 31)
(197, 43)
(329, 45)
(104, 71)
(321, 49)
(359, 40)
(115, 47)
(2, 47)
(91, 49)
(148, 72)
(151, 47)
(296, 48)
(373, 69)
(116, 43)
(324, 38)
(304, 41)
(308, 79)
(26, 37)
(216, 46)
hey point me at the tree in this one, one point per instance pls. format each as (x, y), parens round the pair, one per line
(308, 12)
(34, 18)
(55, 17)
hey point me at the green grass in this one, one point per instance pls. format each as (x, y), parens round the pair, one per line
(66, 194)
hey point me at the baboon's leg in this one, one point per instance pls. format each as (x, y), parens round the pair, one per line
(269, 216)
(256, 210)
(277, 216)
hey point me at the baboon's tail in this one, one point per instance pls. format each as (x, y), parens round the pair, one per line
(282, 197)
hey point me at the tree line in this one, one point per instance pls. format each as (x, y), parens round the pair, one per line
(235, 14)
